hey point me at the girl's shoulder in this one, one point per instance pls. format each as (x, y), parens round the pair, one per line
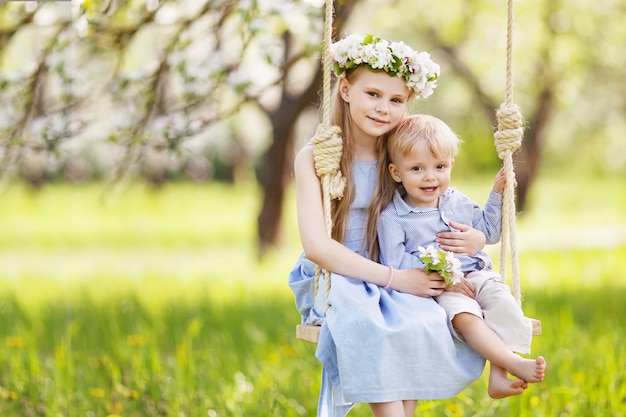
(304, 162)
(305, 153)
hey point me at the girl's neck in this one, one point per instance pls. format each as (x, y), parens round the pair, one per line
(364, 149)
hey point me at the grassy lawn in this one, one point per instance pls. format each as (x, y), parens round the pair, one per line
(149, 303)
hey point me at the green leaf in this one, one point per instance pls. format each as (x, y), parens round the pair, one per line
(369, 38)
(397, 63)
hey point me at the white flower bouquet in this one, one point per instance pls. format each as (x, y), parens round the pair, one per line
(437, 260)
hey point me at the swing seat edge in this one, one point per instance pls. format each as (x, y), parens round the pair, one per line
(536, 327)
(308, 332)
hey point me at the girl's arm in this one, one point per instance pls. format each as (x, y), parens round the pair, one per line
(334, 256)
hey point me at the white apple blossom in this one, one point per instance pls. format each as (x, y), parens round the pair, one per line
(442, 262)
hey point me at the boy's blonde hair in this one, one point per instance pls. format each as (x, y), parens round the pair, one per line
(439, 139)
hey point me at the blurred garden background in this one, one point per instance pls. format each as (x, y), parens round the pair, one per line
(147, 219)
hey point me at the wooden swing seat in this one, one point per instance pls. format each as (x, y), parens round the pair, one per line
(311, 332)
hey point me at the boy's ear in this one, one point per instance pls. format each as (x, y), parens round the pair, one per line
(344, 89)
(393, 170)
(451, 162)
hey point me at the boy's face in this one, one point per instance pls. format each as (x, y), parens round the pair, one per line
(424, 176)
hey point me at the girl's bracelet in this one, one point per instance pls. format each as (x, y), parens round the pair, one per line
(390, 277)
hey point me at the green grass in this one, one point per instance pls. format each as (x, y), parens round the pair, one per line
(155, 304)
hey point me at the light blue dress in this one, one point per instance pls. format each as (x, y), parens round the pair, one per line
(376, 344)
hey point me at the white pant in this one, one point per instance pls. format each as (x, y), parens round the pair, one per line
(496, 305)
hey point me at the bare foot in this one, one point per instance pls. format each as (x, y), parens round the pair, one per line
(530, 370)
(500, 386)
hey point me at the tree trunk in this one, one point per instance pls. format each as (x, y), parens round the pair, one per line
(529, 158)
(276, 163)
(275, 171)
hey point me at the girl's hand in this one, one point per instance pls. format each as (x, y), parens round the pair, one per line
(466, 242)
(464, 287)
(417, 282)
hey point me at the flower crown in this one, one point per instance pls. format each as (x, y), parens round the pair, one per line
(395, 58)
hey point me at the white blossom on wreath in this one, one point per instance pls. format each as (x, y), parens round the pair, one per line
(395, 58)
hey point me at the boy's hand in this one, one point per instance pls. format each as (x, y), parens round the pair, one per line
(464, 287)
(467, 241)
(500, 182)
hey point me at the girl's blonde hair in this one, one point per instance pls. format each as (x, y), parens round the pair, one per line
(340, 116)
(439, 139)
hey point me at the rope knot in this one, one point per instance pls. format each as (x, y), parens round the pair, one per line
(328, 144)
(508, 137)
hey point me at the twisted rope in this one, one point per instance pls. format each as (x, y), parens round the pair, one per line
(507, 139)
(328, 147)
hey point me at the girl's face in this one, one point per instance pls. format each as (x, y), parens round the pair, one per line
(424, 176)
(377, 102)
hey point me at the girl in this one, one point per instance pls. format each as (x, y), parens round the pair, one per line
(383, 339)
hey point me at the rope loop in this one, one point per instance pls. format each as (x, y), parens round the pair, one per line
(328, 144)
(508, 137)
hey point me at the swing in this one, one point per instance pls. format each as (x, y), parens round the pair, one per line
(507, 139)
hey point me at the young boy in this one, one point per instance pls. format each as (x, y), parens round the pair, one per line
(480, 308)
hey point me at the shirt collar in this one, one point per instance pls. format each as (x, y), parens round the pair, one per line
(403, 208)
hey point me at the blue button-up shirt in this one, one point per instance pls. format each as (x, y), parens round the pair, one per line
(402, 228)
